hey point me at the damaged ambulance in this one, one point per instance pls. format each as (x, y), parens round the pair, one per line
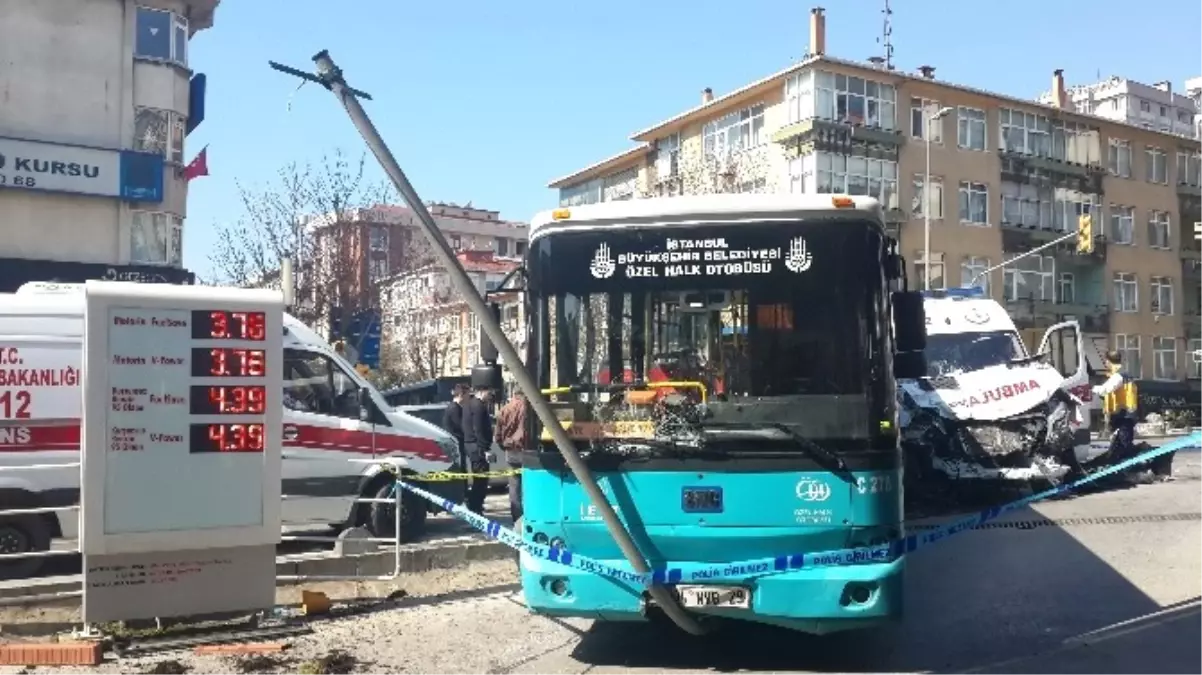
(988, 410)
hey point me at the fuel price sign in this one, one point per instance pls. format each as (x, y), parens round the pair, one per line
(183, 411)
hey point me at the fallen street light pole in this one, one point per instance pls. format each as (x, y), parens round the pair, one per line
(330, 77)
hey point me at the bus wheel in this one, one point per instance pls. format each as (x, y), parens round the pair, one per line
(23, 534)
(382, 517)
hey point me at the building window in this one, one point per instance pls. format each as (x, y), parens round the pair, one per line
(379, 238)
(1164, 358)
(854, 100)
(1128, 346)
(377, 267)
(1162, 295)
(1066, 288)
(970, 128)
(161, 132)
(735, 131)
(1024, 133)
(1157, 165)
(1158, 229)
(1189, 169)
(1030, 278)
(1144, 106)
(798, 177)
(974, 203)
(162, 36)
(155, 238)
(1069, 205)
(938, 281)
(1126, 293)
(1122, 224)
(667, 156)
(799, 96)
(1120, 158)
(1195, 363)
(1027, 205)
(519, 248)
(620, 186)
(843, 174)
(502, 246)
(921, 110)
(934, 200)
(1074, 142)
(756, 186)
(456, 242)
(974, 267)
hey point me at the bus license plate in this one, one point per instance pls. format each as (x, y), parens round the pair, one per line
(714, 596)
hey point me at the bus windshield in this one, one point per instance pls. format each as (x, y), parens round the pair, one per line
(786, 317)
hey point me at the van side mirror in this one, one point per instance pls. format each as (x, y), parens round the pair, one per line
(365, 404)
(909, 335)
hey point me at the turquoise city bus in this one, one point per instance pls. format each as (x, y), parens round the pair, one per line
(726, 366)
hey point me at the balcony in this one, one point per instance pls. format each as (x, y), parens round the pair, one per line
(818, 135)
(1023, 168)
(1021, 238)
(1032, 313)
(1187, 190)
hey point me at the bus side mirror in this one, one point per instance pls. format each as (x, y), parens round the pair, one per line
(909, 335)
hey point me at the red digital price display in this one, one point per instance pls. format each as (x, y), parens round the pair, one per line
(227, 362)
(216, 324)
(227, 400)
(226, 437)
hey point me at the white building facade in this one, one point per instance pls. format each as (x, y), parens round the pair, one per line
(1151, 106)
(100, 97)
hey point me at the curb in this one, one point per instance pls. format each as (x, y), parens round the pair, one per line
(416, 558)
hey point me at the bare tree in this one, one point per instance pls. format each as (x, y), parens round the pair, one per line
(313, 215)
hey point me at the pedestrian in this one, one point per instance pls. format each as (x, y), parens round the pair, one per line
(477, 439)
(1119, 405)
(513, 435)
(452, 421)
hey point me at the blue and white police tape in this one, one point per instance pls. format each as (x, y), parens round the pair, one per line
(783, 563)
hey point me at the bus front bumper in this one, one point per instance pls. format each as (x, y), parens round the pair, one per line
(817, 600)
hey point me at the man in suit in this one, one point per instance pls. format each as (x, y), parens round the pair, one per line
(477, 439)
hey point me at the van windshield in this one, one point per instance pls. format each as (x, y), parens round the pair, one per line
(952, 353)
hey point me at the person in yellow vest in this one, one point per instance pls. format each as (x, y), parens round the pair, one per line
(1119, 405)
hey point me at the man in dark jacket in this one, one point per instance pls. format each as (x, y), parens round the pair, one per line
(452, 420)
(477, 439)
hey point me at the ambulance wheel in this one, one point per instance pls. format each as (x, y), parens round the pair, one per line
(23, 534)
(382, 517)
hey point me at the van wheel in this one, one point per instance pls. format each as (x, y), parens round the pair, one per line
(382, 517)
(23, 534)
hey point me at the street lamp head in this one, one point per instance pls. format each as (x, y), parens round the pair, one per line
(943, 112)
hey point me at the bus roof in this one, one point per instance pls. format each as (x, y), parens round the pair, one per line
(724, 206)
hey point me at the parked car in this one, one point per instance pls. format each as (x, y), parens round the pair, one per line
(432, 413)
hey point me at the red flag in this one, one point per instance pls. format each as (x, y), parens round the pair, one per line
(199, 166)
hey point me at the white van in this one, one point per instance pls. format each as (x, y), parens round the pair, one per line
(331, 416)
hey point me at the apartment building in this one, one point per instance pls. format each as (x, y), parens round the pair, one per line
(1150, 106)
(429, 328)
(1007, 175)
(99, 98)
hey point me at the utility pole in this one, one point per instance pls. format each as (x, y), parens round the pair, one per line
(330, 76)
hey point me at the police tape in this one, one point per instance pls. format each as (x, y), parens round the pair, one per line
(446, 476)
(783, 563)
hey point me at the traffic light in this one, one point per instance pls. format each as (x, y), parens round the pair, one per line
(1085, 233)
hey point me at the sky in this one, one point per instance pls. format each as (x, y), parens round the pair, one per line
(488, 101)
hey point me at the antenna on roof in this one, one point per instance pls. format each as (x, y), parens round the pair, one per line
(886, 38)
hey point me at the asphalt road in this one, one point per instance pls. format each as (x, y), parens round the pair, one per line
(1114, 587)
